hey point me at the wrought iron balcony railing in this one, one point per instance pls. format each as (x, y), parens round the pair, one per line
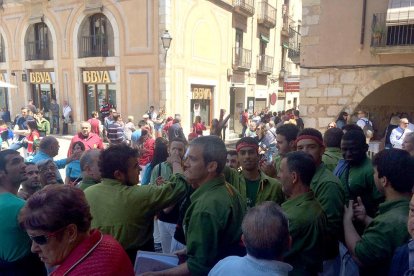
(94, 46)
(244, 7)
(294, 45)
(242, 59)
(38, 50)
(392, 31)
(265, 65)
(267, 15)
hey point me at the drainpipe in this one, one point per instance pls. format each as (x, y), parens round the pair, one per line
(364, 11)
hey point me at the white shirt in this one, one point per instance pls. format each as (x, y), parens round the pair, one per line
(397, 137)
(66, 111)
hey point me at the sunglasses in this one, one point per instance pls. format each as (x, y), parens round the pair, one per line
(43, 239)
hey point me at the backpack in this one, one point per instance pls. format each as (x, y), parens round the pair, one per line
(368, 129)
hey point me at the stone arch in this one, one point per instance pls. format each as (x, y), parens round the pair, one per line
(81, 17)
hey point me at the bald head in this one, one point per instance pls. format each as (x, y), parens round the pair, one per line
(89, 164)
(266, 232)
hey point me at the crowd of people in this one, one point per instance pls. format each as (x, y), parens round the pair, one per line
(288, 200)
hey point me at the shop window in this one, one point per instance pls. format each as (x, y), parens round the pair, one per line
(202, 103)
(42, 93)
(95, 94)
(38, 42)
(96, 37)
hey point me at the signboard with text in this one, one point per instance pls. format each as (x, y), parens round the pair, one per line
(201, 93)
(95, 77)
(41, 77)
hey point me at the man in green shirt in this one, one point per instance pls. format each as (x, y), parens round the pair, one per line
(15, 255)
(356, 172)
(91, 174)
(332, 140)
(253, 185)
(307, 220)
(328, 191)
(285, 143)
(212, 223)
(374, 249)
(123, 209)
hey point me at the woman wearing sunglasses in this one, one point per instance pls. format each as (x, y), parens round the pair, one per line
(57, 220)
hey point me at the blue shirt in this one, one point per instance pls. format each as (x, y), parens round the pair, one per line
(249, 265)
(73, 169)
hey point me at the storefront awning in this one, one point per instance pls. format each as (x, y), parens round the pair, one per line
(400, 12)
(264, 38)
(7, 85)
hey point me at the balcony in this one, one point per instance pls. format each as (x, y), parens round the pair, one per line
(265, 65)
(38, 50)
(94, 46)
(242, 59)
(294, 45)
(392, 36)
(244, 7)
(267, 15)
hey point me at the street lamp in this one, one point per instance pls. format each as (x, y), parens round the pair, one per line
(166, 41)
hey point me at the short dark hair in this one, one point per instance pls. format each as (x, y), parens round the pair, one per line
(397, 166)
(3, 157)
(55, 207)
(311, 132)
(247, 140)
(82, 145)
(349, 127)
(303, 164)
(214, 150)
(46, 142)
(357, 136)
(231, 152)
(289, 131)
(332, 137)
(296, 112)
(266, 231)
(115, 158)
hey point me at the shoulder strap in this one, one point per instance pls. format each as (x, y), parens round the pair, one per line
(159, 169)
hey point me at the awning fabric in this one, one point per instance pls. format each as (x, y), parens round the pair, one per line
(400, 12)
(264, 38)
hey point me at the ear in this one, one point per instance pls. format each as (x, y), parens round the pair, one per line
(242, 239)
(72, 232)
(292, 145)
(295, 177)
(118, 175)
(212, 167)
(384, 181)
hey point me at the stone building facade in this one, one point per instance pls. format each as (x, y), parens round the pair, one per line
(346, 67)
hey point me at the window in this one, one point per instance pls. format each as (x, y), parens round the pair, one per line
(96, 38)
(38, 42)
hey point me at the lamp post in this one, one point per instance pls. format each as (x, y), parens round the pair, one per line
(166, 41)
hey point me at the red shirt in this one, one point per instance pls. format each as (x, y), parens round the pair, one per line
(94, 125)
(96, 255)
(93, 141)
(30, 140)
(147, 152)
(199, 127)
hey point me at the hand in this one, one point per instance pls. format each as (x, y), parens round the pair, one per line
(269, 169)
(159, 181)
(348, 212)
(174, 157)
(359, 210)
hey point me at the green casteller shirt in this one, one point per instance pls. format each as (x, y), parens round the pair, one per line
(361, 183)
(277, 160)
(269, 189)
(307, 227)
(212, 224)
(331, 157)
(127, 212)
(330, 194)
(86, 183)
(166, 172)
(44, 126)
(383, 235)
